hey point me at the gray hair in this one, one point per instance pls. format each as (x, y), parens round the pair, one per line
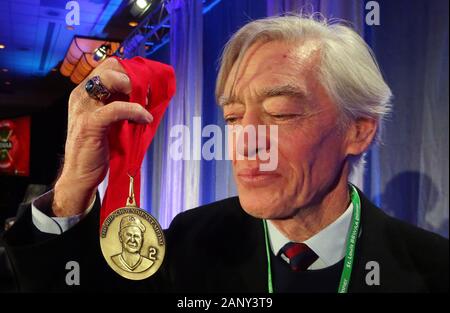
(348, 68)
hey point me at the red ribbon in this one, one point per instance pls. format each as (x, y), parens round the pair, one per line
(128, 142)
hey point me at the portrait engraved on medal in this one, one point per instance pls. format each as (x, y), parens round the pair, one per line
(131, 235)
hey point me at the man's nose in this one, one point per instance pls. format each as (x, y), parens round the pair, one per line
(254, 135)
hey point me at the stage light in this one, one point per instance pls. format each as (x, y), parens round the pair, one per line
(142, 4)
(139, 7)
(7, 83)
(133, 23)
(101, 52)
(4, 70)
(2, 46)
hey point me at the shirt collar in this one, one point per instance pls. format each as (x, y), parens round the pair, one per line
(328, 244)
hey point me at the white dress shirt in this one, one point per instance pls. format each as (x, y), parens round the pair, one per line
(329, 244)
(41, 209)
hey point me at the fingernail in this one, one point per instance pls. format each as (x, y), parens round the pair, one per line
(149, 119)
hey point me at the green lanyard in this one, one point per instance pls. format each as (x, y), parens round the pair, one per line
(350, 249)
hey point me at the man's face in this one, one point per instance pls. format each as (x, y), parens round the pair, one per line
(131, 238)
(276, 84)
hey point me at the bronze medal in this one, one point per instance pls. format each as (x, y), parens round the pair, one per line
(132, 241)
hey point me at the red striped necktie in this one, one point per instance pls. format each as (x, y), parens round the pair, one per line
(298, 255)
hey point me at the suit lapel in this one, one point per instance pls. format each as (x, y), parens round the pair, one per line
(252, 255)
(379, 246)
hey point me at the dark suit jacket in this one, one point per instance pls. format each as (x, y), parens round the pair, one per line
(220, 248)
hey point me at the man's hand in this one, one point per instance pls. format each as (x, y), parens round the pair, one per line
(86, 150)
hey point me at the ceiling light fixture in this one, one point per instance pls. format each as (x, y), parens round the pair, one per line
(142, 4)
(2, 46)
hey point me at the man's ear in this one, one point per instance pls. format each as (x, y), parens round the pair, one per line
(360, 135)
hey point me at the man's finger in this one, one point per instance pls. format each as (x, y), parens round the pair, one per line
(109, 63)
(121, 110)
(115, 81)
(106, 65)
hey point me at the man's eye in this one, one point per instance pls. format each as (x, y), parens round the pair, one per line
(231, 119)
(284, 116)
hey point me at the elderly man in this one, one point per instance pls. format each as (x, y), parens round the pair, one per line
(299, 228)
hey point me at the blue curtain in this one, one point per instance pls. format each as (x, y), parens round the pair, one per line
(152, 166)
(196, 42)
(175, 183)
(219, 23)
(408, 174)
